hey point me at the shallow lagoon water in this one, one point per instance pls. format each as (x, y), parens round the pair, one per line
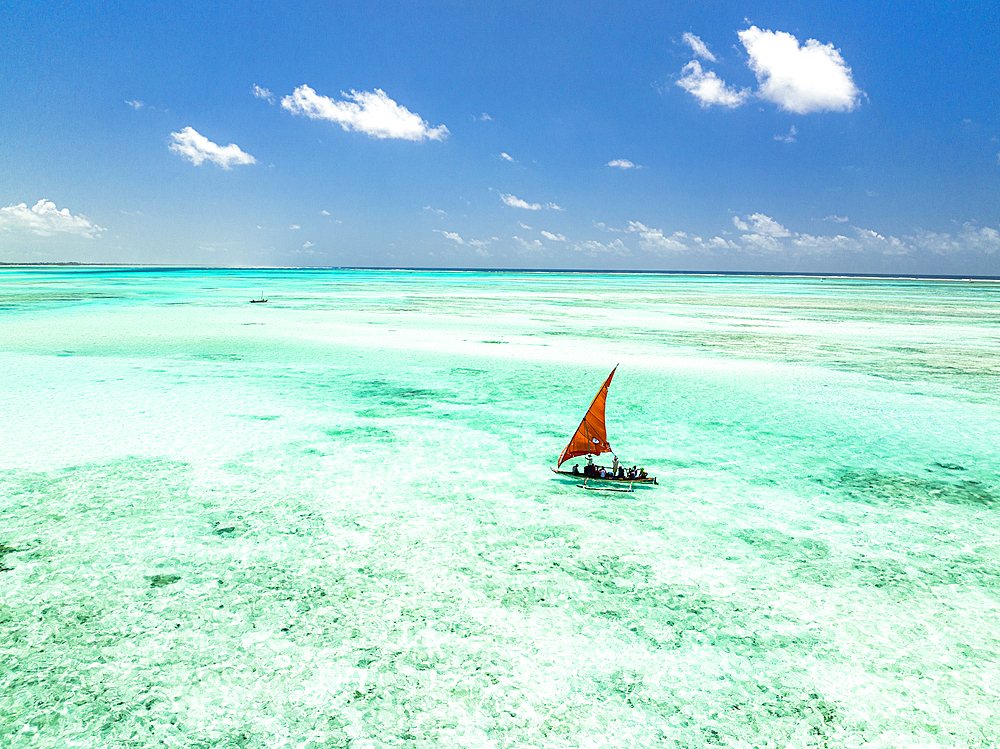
(329, 520)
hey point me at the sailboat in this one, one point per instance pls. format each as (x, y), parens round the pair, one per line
(590, 439)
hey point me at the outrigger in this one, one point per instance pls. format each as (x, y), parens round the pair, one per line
(590, 439)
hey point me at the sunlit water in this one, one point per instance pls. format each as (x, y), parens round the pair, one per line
(329, 520)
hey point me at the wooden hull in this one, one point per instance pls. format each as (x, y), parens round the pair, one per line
(608, 479)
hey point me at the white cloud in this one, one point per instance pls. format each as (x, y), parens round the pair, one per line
(453, 236)
(482, 118)
(708, 88)
(837, 219)
(523, 225)
(479, 245)
(740, 224)
(553, 237)
(262, 93)
(654, 239)
(534, 244)
(767, 226)
(370, 112)
(294, 227)
(985, 240)
(136, 104)
(622, 164)
(553, 207)
(44, 219)
(515, 202)
(196, 148)
(595, 248)
(324, 212)
(438, 211)
(799, 79)
(307, 245)
(506, 156)
(789, 138)
(698, 47)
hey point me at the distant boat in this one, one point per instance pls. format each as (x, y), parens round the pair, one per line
(258, 301)
(590, 439)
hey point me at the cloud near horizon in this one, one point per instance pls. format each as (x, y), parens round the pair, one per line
(515, 202)
(196, 148)
(44, 220)
(369, 112)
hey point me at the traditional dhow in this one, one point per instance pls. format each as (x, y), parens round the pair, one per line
(590, 439)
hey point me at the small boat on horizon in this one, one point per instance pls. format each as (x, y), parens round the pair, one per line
(259, 301)
(590, 439)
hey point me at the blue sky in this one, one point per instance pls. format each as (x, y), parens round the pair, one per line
(821, 137)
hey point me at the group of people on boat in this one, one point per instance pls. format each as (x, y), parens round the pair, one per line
(591, 470)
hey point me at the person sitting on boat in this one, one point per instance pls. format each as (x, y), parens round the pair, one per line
(576, 469)
(642, 473)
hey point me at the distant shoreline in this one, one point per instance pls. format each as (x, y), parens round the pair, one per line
(540, 271)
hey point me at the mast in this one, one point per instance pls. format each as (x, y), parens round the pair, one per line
(591, 437)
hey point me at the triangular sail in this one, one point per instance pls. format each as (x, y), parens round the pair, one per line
(591, 437)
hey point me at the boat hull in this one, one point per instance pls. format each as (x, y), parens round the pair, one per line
(608, 479)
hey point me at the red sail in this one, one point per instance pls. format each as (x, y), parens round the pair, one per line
(591, 437)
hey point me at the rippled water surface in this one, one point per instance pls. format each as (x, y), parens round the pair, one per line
(329, 520)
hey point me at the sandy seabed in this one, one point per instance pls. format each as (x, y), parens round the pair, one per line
(329, 520)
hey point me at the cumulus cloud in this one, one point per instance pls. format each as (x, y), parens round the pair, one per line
(479, 245)
(799, 79)
(767, 226)
(553, 237)
(655, 238)
(621, 164)
(45, 220)
(515, 202)
(837, 219)
(698, 47)
(984, 240)
(262, 93)
(765, 235)
(506, 156)
(594, 248)
(369, 112)
(708, 88)
(324, 212)
(294, 227)
(789, 138)
(307, 245)
(453, 236)
(534, 244)
(196, 148)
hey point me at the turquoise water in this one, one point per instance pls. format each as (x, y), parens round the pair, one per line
(329, 520)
